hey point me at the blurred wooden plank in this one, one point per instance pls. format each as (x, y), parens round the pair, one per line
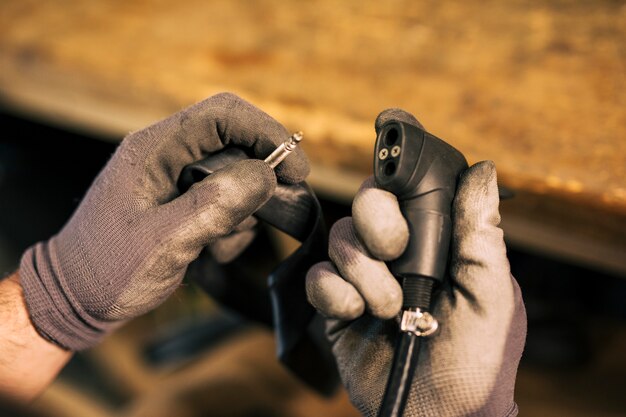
(590, 389)
(61, 399)
(538, 88)
(241, 377)
(578, 234)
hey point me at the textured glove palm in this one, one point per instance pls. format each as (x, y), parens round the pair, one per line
(469, 367)
(129, 243)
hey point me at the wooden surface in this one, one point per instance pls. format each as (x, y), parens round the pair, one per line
(538, 88)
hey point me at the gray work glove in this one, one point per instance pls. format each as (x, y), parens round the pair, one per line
(128, 245)
(469, 366)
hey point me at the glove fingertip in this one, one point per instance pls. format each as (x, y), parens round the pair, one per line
(263, 176)
(295, 168)
(331, 295)
(245, 186)
(483, 172)
(396, 114)
(221, 201)
(477, 194)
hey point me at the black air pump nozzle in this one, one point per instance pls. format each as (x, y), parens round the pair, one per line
(422, 171)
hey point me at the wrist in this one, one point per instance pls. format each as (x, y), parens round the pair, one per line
(28, 362)
(13, 305)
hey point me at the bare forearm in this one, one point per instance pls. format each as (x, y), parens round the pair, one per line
(28, 362)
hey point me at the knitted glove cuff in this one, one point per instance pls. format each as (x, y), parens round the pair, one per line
(55, 314)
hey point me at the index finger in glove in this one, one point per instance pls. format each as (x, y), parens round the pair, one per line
(163, 149)
(379, 222)
(369, 276)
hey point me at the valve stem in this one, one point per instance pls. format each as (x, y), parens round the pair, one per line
(284, 149)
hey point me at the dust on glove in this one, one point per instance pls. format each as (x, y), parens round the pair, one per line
(128, 245)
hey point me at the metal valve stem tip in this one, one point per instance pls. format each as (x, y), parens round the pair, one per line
(284, 149)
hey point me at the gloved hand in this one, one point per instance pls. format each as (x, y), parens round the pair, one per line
(469, 366)
(128, 245)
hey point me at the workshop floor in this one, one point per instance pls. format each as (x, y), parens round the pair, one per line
(574, 363)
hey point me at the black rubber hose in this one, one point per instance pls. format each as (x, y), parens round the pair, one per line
(418, 289)
(402, 372)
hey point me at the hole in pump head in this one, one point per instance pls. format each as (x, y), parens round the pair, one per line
(391, 137)
(197, 175)
(390, 168)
